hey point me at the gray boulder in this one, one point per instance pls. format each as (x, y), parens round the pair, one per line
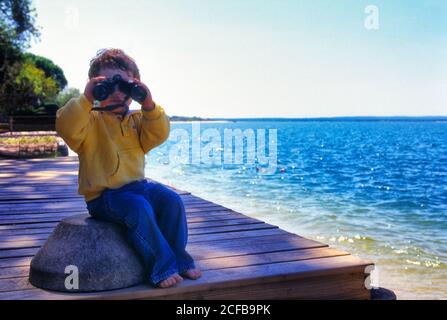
(84, 255)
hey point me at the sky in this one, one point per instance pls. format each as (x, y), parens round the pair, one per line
(254, 58)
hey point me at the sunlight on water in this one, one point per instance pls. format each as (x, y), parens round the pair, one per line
(377, 190)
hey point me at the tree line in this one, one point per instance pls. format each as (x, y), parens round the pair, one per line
(28, 82)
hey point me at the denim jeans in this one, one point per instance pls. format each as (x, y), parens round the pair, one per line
(155, 221)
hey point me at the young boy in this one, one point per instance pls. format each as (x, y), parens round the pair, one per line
(111, 144)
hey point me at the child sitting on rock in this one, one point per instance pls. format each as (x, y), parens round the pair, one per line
(111, 143)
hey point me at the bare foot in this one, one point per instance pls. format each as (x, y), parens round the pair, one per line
(192, 274)
(171, 281)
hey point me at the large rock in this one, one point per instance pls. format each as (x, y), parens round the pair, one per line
(98, 250)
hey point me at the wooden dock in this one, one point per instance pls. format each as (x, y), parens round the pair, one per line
(241, 257)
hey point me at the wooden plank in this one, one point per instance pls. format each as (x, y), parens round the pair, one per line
(10, 180)
(234, 248)
(223, 262)
(79, 200)
(17, 253)
(53, 219)
(347, 286)
(7, 246)
(38, 228)
(38, 187)
(37, 233)
(15, 262)
(6, 207)
(57, 218)
(40, 217)
(20, 167)
(218, 216)
(40, 170)
(46, 163)
(227, 248)
(50, 179)
(19, 180)
(50, 207)
(245, 235)
(208, 238)
(209, 264)
(211, 281)
(201, 231)
(43, 233)
(49, 195)
(15, 284)
(32, 208)
(25, 181)
(192, 217)
(250, 245)
(13, 272)
(31, 220)
(224, 249)
(36, 217)
(15, 198)
(19, 196)
(205, 227)
(236, 235)
(9, 219)
(21, 268)
(27, 226)
(341, 286)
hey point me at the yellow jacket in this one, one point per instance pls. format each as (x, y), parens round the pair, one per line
(110, 150)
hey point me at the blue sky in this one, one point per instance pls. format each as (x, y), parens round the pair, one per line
(253, 58)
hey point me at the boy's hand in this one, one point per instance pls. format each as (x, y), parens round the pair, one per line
(88, 91)
(148, 104)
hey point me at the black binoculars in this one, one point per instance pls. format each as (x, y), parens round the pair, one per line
(104, 88)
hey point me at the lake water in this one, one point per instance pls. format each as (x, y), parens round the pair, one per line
(375, 189)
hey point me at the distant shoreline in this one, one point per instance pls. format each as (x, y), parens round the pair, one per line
(193, 121)
(329, 119)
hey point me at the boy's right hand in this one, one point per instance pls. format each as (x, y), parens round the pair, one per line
(88, 91)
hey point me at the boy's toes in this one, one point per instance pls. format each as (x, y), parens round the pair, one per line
(167, 283)
(171, 281)
(192, 274)
(164, 284)
(178, 278)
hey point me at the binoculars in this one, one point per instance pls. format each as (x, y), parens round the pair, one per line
(104, 88)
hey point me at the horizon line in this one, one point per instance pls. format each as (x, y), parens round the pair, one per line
(427, 117)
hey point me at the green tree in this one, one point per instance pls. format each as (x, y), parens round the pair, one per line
(17, 23)
(30, 89)
(65, 95)
(49, 67)
(17, 28)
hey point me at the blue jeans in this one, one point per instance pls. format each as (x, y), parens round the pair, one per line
(155, 220)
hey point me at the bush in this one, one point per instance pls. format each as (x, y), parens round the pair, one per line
(28, 140)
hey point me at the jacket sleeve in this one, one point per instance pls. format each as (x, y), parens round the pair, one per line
(73, 122)
(155, 127)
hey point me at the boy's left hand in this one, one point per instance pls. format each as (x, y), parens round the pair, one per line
(148, 104)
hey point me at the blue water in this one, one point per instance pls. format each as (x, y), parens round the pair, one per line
(376, 189)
